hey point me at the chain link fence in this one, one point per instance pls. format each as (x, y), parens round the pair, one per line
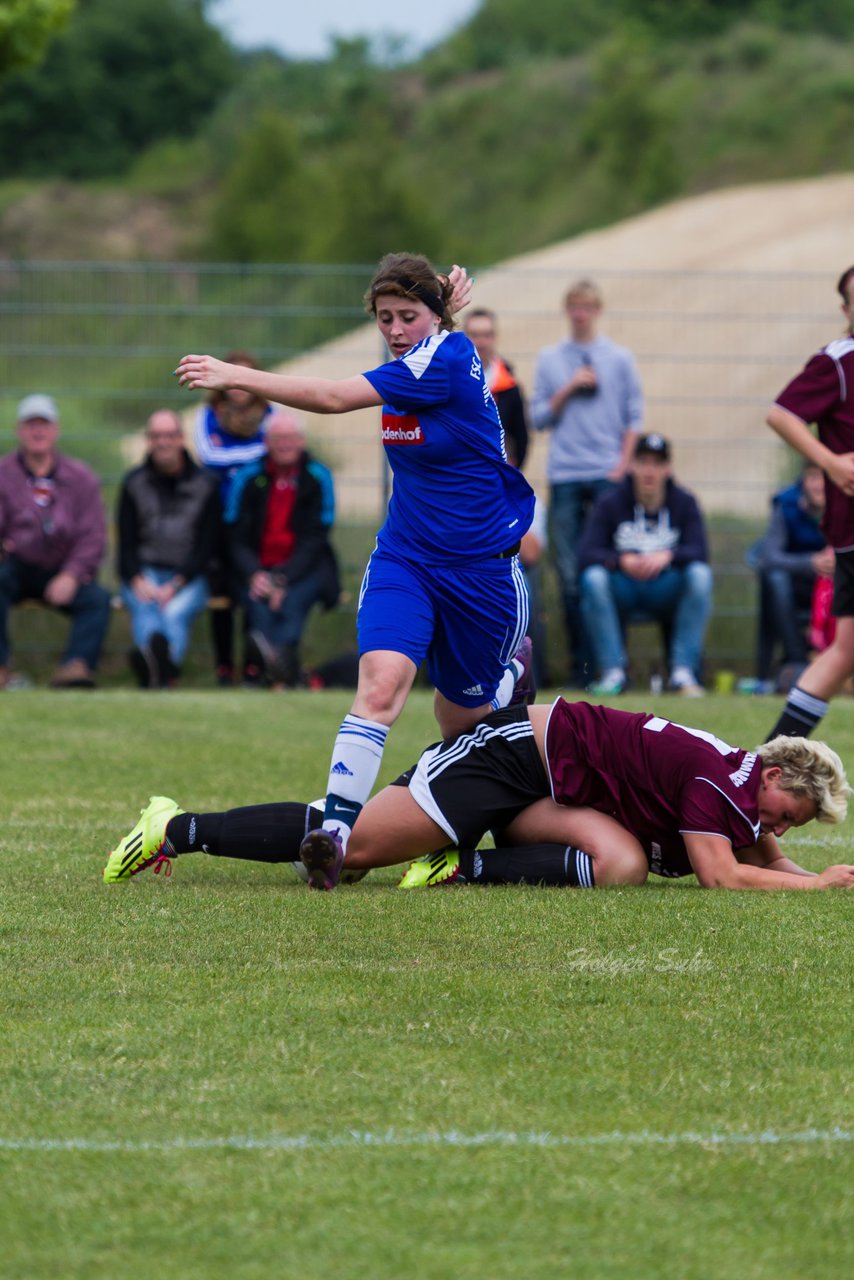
(713, 349)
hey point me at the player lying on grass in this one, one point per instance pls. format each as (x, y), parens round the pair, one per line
(575, 794)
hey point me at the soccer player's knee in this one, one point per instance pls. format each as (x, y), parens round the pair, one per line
(620, 866)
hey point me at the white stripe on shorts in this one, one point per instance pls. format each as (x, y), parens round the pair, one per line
(437, 759)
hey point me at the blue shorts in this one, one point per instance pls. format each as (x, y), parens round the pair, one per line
(468, 622)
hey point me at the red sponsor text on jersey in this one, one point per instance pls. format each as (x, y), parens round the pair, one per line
(402, 428)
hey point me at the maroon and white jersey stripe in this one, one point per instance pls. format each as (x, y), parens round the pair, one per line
(658, 779)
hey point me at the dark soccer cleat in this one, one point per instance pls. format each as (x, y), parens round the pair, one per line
(322, 855)
(525, 689)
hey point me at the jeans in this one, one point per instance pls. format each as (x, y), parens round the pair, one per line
(283, 627)
(784, 612)
(89, 610)
(570, 502)
(173, 620)
(681, 597)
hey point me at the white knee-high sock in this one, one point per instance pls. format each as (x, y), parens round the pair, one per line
(507, 684)
(356, 759)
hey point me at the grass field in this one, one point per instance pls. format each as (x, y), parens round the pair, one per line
(221, 1075)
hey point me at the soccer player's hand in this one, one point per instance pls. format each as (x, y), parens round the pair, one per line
(204, 371)
(841, 472)
(462, 287)
(839, 877)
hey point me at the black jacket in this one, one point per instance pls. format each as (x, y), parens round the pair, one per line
(617, 523)
(167, 521)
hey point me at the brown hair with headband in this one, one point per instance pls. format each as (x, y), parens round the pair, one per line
(411, 275)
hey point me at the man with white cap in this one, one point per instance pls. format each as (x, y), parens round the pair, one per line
(52, 541)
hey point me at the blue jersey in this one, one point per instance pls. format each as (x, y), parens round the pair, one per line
(456, 498)
(222, 453)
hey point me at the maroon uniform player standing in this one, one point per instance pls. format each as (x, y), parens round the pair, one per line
(823, 393)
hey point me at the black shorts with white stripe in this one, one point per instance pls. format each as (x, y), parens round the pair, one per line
(843, 585)
(480, 779)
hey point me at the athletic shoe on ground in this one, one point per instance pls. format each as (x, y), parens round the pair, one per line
(682, 681)
(146, 845)
(346, 877)
(432, 870)
(322, 855)
(612, 683)
(525, 688)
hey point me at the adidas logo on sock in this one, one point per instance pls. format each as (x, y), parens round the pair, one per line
(341, 769)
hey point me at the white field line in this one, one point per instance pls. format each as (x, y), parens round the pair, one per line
(452, 1138)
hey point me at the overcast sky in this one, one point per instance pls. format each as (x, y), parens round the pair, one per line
(302, 28)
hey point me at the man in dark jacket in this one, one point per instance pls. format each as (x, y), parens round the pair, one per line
(168, 514)
(644, 552)
(282, 509)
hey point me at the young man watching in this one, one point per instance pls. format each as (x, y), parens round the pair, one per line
(644, 552)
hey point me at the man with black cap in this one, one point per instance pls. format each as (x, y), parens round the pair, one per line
(52, 541)
(644, 553)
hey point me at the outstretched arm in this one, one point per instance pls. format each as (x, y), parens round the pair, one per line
(716, 867)
(315, 395)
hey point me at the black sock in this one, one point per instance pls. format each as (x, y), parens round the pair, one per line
(546, 864)
(258, 832)
(800, 715)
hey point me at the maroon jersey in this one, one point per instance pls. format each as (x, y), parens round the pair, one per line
(823, 393)
(659, 780)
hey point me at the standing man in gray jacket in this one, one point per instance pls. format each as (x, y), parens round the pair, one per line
(588, 394)
(52, 540)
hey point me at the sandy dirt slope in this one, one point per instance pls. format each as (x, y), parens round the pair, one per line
(713, 349)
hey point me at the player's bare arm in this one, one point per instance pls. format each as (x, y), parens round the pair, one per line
(838, 466)
(716, 867)
(314, 395)
(767, 853)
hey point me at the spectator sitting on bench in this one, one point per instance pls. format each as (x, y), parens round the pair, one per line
(52, 541)
(790, 558)
(281, 510)
(644, 555)
(168, 517)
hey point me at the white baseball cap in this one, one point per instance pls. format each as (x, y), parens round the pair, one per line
(38, 407)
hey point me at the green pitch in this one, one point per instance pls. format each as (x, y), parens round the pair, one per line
(222, 1076)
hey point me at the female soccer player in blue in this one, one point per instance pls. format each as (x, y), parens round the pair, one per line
(444, 582)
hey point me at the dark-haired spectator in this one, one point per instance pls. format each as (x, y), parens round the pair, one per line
(228, 435)
(481, 325)
(283, 509)
(588, 394)
(52, 542)
(644, 552)
(789, 558)
(168, 516)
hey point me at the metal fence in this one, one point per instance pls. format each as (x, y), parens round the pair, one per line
(713, 349)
